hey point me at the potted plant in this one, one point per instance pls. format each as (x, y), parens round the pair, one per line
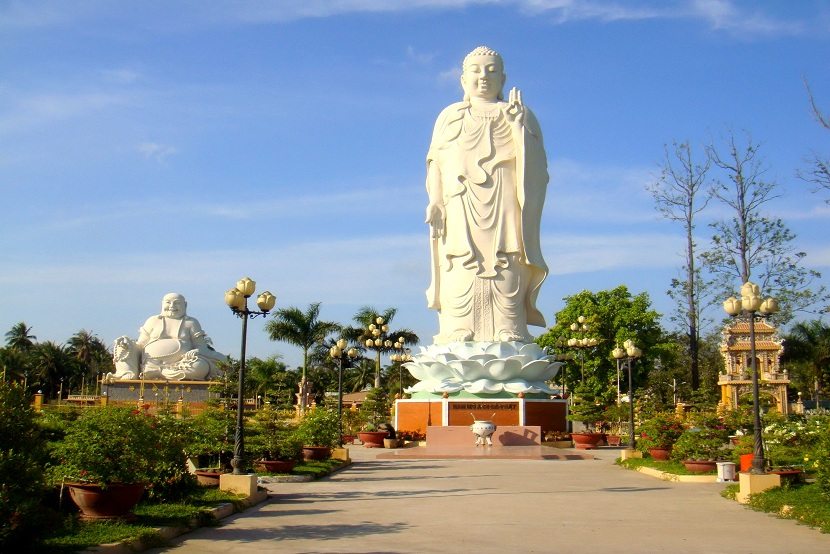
(375, 410)
(274, 442)
(107, 459)
(209, 448)
(658, 435)
(616, 420)
(371, 436)
(701, 446)
(587, 408)
(319, 432)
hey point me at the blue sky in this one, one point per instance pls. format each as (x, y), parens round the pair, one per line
(149, 147)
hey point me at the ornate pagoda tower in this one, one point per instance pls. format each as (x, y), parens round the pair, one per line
(736, 381)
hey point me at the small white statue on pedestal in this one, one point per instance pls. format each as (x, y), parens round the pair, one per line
(170, 345)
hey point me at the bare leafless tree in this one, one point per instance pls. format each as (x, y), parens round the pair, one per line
(680, 193)
(818, 171)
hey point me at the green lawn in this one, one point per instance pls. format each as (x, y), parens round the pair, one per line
(802, 502)
(74, 535)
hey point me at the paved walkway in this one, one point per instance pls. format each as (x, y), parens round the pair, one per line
(483, 505)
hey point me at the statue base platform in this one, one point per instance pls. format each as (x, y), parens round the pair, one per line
(159, 392)
(419, 415)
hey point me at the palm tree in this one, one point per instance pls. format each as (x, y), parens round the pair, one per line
(18, 337)
(368, 316)
(91, 353)
(808, 348)
(51, 362)
(300, 328)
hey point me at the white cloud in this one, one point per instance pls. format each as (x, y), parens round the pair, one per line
(123, 76)
(587, 252)
(26, 111)
(725, 15)
(598, 194)
(721, 15)
(156, 151)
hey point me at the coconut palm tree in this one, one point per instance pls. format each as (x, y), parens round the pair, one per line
(50, 362)
(91, 353)
(300, 328)
(18, 337)
(808, 349)
(382, 337)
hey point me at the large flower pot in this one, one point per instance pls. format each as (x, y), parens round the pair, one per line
(372, 439)
(277, 466)
(208, 477)
(700, 466)
(316, 453)
(112, 502)
(586, 441)
(661, 454)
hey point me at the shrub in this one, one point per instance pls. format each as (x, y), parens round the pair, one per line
(108, 445)
(659, 431)
(706, 440)
(211, 437)
(818, 458)
(274, 437)
(320, 427)
(171, 480)
(21, 477)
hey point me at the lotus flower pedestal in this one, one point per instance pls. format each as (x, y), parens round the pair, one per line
(502, 382)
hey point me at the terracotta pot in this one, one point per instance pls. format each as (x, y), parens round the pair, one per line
(661, 454)
(586, 441)
(277, 466)
(208, 477)
(700, 466)
(372, 439)
(613, 440)
(348, 439)
(788, 476)
(113, 502)
(316, 453)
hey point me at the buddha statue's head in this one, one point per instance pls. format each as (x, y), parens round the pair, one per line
(482, 75)
(173, 305)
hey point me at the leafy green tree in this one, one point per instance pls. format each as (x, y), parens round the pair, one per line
(300, 328)
(21, 474)
(752, 245)
(680, 195)
(807, 354)
(613, 316)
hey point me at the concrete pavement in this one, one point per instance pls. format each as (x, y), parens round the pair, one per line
(485, 506)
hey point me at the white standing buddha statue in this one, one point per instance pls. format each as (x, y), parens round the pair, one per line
(486, 179)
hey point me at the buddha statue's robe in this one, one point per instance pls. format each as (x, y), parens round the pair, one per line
(487, 268)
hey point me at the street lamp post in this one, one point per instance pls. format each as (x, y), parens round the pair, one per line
(630, 352)
(237, 299)
(402, 356)
(377, 340)
(581, 343)
(342, 357)
(748, 305)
